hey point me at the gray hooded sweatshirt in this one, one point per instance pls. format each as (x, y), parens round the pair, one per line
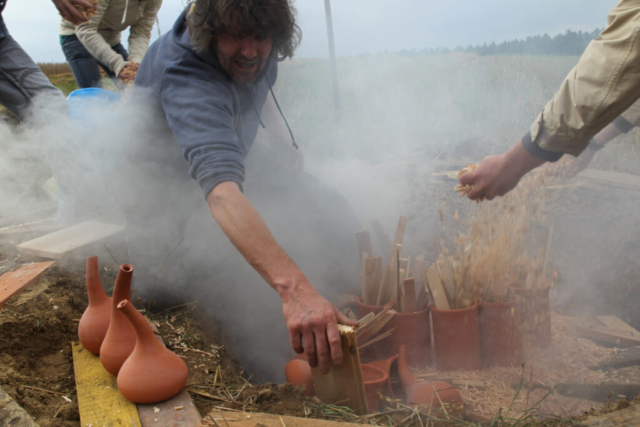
(214, 120)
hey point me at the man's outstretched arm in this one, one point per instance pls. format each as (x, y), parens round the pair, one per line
(311, 320)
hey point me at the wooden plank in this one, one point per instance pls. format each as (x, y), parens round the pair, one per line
(99, 401)
(409, 305)
(616, 179)
(399, 236)
(165, 413)
(436, 289)
(604, 334)
(617, 323)
(383, 238)
(16, 281)
(627, 417)
(622, 359)
(365, 249)
(61, 243)
(445, 269)
(343, 384)
(227, 417)
(12, 414)
(371, 275)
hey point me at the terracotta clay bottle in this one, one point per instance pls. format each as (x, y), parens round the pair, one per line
(434, 393)
(121, 337)
(95, 319)
(152, 373)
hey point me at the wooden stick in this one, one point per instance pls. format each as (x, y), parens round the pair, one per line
(546, 253)
(376, 339)
(399, 237)
(371, 273)
(365, 249)
(409, 305)
(376, 324)
(383, 238)
(43, 390)
(435, 287)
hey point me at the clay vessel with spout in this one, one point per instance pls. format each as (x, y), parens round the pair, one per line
(152, 373)
(95, 319)
(434, 393)
(121, 337)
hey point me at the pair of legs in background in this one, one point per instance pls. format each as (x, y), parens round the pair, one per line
(86, 68)
(28, 94)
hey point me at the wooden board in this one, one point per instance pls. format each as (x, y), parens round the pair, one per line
(225, 417)
(12, 414)
(99, 401)
(399, 236)
(436, 289)
(409, 305)
(383, 238)
(365, 249)
(627, 417)
(616, 179)
(445, 269)
(604, 334)
(16, 281)
(616, 323)
(343, 384)
(62, 243)
(167, 415)
(371, 279)
(622, 359)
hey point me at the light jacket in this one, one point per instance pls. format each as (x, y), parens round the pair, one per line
(603, 85)
(103, 30)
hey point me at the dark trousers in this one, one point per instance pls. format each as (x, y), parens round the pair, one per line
(84, 66)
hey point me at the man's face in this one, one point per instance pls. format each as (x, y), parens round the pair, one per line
(243, 57)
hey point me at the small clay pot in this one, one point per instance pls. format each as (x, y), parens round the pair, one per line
(385, 365)
(500, 334)
(381, 349)
(298, 373)
(456, 337)
(94, 322)
(432, 393)
(374, 381)
(152, 373)
(536, 312)
(121, 337)
(414, 331)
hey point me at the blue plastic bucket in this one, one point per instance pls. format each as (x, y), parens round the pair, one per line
(84, 102)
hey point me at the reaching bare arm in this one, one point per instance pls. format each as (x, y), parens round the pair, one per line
(69, 12)
(311, 320)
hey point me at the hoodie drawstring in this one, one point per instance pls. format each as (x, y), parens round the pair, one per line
(126, 6)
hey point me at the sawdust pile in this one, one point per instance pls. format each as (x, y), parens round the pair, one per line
(87, 13)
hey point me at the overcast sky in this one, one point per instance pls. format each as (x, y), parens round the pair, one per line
(362, 26)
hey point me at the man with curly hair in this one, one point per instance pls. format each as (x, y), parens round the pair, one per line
(209, 80)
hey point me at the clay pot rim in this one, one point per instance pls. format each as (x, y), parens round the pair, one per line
(382, 380)
(360, 303)
(472, 307)
(412, 313)
(498, 304)
(122, 303)
(126, 268)
(515, 286)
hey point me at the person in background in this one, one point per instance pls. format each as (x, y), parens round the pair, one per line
(94, 44)
(28, 95)
(601, 87)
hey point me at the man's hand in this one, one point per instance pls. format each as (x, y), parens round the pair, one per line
(313, 325)
(70, 13)
(128, 73)
(497, 175)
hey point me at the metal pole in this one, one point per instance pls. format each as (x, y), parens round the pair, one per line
(332, 60)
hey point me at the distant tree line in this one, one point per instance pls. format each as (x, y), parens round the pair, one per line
(569, 43)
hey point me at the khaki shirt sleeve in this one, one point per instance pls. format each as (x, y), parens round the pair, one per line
(140, 32)
(604, 83)
(95, 44)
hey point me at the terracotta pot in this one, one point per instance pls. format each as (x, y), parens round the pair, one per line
(152, 373)
(432, 393)
(380, 349)
(536, 312)
(375, 376)
(456, 336)
(298, 373)
(385, 365)
(500, 334)
(414, 331)
(374, 381)
(95, 319)
(121, 337)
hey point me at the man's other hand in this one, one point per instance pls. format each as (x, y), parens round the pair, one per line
(497, 175)
(70, 13)
(313, 325)
(128, 73)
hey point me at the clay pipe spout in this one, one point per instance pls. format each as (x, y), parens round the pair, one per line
(94, 322)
